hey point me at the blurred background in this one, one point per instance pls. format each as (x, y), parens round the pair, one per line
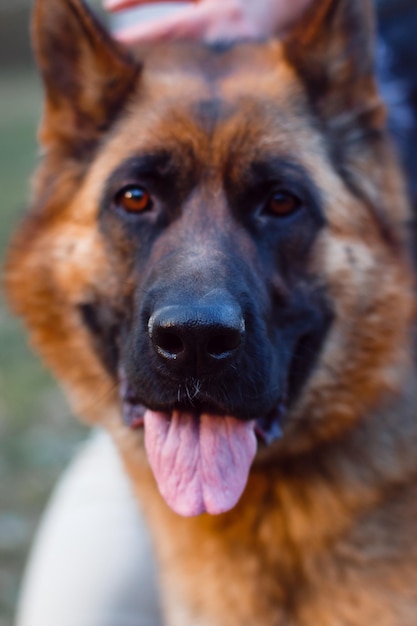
(38, 435)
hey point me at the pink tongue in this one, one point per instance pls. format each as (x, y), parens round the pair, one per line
(200, 465)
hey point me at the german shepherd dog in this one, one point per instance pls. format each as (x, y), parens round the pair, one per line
(216, 266)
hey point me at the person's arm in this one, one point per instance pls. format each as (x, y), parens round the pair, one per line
(213, 20)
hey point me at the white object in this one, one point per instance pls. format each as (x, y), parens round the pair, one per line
(92, 563)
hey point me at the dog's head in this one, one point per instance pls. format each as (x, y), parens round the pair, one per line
(217, 243)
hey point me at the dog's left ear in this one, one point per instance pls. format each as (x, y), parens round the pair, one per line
(332, 49)
(87, 76)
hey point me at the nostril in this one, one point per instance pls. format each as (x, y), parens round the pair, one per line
(198, 337)
(223, 343)
(168, 342)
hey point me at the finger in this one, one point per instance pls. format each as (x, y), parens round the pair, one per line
(187, 23)
(120, 5)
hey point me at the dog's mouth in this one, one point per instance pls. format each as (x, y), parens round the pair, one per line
(268, 428)
(202, 435)
(200, 459)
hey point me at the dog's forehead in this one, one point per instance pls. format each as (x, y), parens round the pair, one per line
(213, 83)
(214, 104)
(212, 64)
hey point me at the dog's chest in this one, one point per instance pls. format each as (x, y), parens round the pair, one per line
(328, 601)
(264, 568)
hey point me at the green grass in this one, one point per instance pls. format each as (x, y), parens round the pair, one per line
(37, 433)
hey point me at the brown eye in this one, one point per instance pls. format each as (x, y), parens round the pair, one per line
(283, 203)
(134, 199)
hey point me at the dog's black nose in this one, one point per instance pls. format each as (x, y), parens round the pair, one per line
(197, 338)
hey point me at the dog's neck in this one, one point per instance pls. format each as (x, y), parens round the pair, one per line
(294, 509)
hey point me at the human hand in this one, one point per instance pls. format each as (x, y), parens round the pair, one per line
(212, 20)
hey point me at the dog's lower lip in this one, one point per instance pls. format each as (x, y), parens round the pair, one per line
(133, 415)
(269, 428)
(132, 410)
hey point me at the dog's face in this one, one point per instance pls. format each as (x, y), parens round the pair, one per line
(211, 219)
(216, 246)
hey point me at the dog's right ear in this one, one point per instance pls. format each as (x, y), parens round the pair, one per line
(332, 49)
(87, 76)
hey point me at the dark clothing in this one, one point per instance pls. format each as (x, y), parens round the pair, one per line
(397, 69)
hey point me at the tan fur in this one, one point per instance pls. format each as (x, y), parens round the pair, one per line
(325, 534)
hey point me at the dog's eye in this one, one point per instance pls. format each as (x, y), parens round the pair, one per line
(133, 199)
(283, 203)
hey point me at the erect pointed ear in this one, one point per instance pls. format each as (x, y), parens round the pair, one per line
(332, 48)
(87, 76)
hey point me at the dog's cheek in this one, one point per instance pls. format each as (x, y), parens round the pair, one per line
(370, 289)
(79, 263)
(61, 268)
